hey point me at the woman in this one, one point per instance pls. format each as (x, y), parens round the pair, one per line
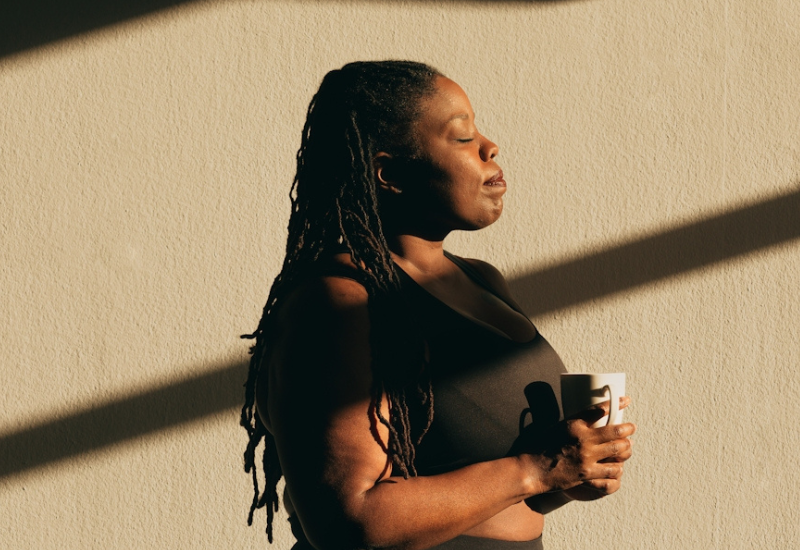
(392, 382)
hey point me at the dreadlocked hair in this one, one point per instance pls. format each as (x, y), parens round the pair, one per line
(359, 110)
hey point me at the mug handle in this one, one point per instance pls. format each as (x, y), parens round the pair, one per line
(613, 405)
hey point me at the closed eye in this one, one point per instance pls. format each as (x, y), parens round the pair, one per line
(464, 140)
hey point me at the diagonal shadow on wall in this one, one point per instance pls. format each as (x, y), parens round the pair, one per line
(603, 273)
(26, 24)
(660, 256)
(124, 419)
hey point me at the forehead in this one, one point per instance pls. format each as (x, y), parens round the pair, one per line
(448, 104)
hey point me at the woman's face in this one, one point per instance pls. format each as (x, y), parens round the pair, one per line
(465, 186)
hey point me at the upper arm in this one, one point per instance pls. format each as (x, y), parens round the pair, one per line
(330, 443)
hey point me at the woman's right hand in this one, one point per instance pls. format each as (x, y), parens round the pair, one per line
(572, 453)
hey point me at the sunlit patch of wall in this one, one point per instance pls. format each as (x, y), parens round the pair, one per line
(653, 158)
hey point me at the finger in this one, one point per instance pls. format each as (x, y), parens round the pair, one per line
(624, 401)
(621, 457)
(604, 471)
(618, 450)
(604, 486)
(617, 431)
(614, 471)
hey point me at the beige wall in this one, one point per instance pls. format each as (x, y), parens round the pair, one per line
(144, 170)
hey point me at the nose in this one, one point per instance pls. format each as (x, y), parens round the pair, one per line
(489, 149)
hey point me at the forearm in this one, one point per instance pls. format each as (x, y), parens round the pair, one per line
(421, 512)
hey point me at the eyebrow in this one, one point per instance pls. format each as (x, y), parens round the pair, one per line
(463, 116)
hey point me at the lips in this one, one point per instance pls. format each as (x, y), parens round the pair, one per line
(496, 180)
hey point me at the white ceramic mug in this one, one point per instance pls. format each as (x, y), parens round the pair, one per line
(579, 391)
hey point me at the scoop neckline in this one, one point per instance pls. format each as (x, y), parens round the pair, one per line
(474, 320)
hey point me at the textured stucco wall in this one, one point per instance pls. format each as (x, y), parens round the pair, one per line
(144, 171)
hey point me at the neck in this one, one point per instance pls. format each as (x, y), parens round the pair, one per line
(416, 243)
(417, 253)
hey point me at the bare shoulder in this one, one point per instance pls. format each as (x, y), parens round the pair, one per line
(344, 288)
(321, 348)
(338, 292)
(324, 320)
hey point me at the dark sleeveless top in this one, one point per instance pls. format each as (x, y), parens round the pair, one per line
(487, 388)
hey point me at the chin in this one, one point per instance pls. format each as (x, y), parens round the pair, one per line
(484, 221)
(492, 216)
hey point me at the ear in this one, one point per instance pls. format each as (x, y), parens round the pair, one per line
(385, 172)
